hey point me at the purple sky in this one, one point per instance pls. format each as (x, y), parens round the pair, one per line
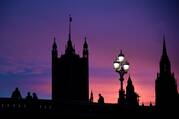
(135, 26)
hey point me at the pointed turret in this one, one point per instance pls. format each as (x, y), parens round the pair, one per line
(85, 45)
(129, 81)
(165, 67)
(70, 20)
(164, 47)
(54, 62)
(85, 49)
(130, 86)
(54, 48)
(131, 95)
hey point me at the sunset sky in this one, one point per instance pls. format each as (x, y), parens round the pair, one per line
(27, 28)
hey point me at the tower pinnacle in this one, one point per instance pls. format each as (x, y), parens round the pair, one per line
(165, 67)
(70, 20)
(85, 49)
(54, 43)
(69, 48)
(54, 49)
(164, 47)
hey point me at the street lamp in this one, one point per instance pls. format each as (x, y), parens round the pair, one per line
(121, 66)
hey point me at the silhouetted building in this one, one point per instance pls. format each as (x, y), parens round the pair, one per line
(70, 72)
(101, 99)
(165, 84)
(131, 95)
(16, 94)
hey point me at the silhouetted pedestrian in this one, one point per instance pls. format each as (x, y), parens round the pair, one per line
(29, 97)
(34, 96)
(101, 99)
(16, 94)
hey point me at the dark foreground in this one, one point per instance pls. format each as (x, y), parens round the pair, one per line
(47, 109)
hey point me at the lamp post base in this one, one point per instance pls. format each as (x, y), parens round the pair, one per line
(121, 99)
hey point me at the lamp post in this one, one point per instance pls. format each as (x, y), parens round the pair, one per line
(121, 66)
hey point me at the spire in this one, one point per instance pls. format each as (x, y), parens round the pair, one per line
(54, 48)
(70, 20)
(54, 43)
(69, 39)
(131, 95)
(129, 86)
(164, 46)
(165, 67)
(129, 80)
(85, 49)
(69, 48)
(85, 44)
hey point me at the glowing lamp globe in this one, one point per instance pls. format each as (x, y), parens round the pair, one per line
(120, 57)
(126, 66)
(116, 65)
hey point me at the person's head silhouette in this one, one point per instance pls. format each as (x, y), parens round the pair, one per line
(34, 96)
(28, 94)
(16, 89)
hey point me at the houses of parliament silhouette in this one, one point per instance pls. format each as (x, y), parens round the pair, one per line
(70, 72)
(70, 90)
